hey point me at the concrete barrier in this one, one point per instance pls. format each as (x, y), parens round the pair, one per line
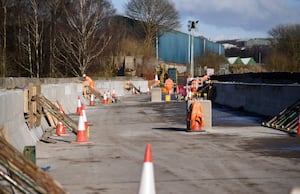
(12, 106)
(263, 99)
(13, 121)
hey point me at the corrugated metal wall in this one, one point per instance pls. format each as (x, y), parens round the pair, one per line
(173, 47)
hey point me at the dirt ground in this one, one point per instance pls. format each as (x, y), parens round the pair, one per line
(236, 156)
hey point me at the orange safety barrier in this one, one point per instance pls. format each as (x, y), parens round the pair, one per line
(195, 117)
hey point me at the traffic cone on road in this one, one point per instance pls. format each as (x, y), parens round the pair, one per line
(105, 98)
(81, 133)
(85, 119)
(60, 129)
(147, 183)
(78, 105)
(86, 125)
(92, 100)
(113, 94)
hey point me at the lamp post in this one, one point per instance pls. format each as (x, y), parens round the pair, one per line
(192, 26)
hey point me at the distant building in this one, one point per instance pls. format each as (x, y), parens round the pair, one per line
(173, 47)
(240, 61)
(248, 61)
(257, 42)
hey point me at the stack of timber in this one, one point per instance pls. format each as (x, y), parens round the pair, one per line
(53, 113)
(20, 175)
(287, 120)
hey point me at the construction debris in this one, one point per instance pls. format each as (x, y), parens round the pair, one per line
(52, 112)
(286, 120)
(21, 174)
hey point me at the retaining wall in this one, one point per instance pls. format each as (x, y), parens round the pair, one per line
(12, 106)
(13, 121)
(263, 99)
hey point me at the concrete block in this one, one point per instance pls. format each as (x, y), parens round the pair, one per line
(206, 105)
(156, 95)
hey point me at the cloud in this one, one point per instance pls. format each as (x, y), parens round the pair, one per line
(258, 15)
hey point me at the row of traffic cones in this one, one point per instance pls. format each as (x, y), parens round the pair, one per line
(147, 182)
(82, 128)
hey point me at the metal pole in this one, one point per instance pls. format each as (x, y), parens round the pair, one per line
(192, 56)
(156, 41)
(189, 50)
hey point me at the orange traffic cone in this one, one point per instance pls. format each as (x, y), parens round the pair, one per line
(92, 101)
(113, 94)
(147, 183)
(84, 119)
(81, 133)
(105, 99)
(60, 129)
(78, 105)
(298, 130)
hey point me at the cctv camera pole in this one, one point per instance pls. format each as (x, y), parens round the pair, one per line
(192, 55)
(191, 27)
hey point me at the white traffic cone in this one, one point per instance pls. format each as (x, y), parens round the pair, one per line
(92, 100)
(113, 95)
(81, 133)
(147, 183)
(84, 119)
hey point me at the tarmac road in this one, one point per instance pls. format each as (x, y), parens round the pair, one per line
(235, 156)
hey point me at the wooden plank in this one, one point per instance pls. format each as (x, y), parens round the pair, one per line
(4, 134)
(25, 94)
(54, 111)
(31, 119)
(38, 107)
(49, 118)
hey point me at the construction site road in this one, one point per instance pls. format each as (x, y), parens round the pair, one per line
(236, 156)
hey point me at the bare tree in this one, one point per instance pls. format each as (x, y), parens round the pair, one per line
(29, 37)
(87, 37)
(54, 14)
(4, 36)
(286, 40)
(155, 17)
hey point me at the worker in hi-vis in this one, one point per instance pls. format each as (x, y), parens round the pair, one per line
(87, 82)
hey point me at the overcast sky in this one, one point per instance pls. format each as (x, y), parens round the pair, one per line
(230, 19)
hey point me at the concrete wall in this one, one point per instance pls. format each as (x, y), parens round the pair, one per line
(12, 105)
(263, 99)
(13, 121)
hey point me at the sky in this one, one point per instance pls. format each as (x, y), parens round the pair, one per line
(232, 19)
